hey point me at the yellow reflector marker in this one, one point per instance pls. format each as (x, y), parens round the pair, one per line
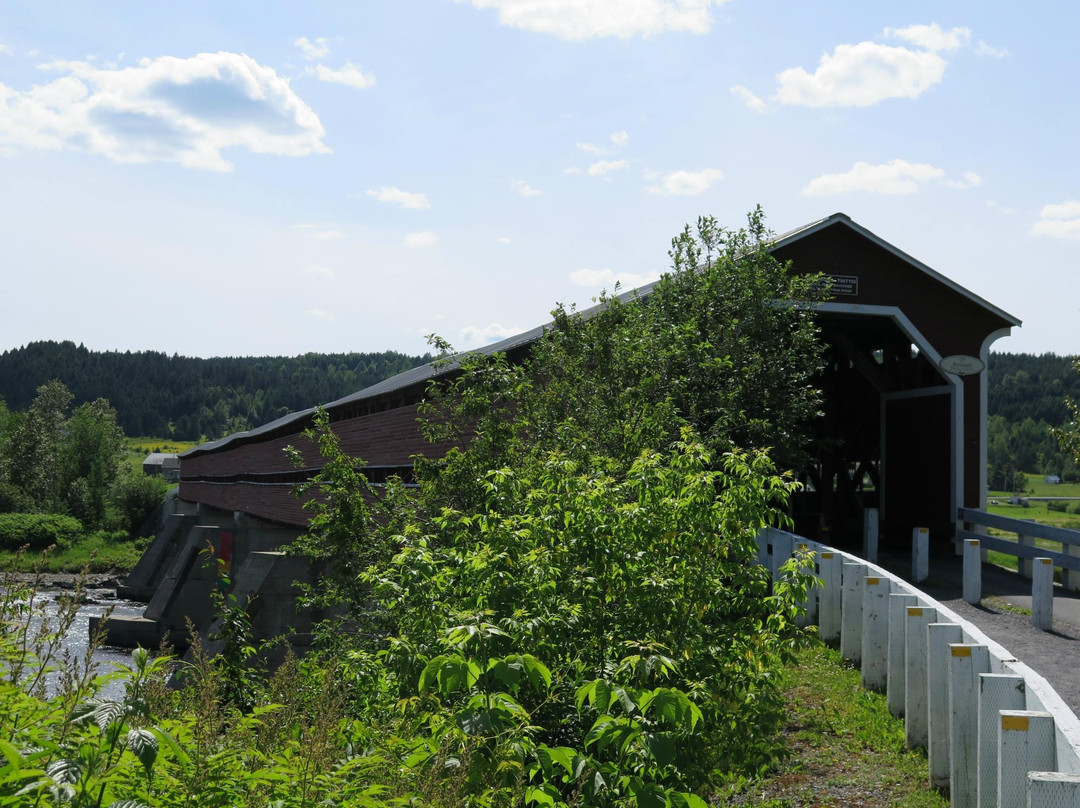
(914, 611)
(1047, 561)
(1018, 723)
(826, 555)
(873, 581)
(961, 650)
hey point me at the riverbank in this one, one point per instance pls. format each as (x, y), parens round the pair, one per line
(68, 580)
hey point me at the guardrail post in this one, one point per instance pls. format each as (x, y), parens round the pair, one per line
(972, 572)
(830, 598)
(966, 662)
(762, 540)
(1051, 789)
(1025, 744)
(1025, 565)
(781, 552)
(939, 637)
(916, 680)
(870, 534)
(809, 617)
(875, 633)
(1070, 579)
(898, 603)
(851, 612)
(920, 554)
(997, 692)
(1042, 594)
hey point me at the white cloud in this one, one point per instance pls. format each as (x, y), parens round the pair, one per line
(523, 189)
(989, 50)
(969, 179)
(620, 139)
(931, 37)
(571, 170)
(424, 238)
(475, 337)
(585, 19)
(601, 167)
(184, 111)
(326, 235)
(323, 273)
(893, 177)
(1066, 210)
(748, 98)
(319, 314)
(1058, 221)
(687, 183)
(395, 196)
(503, 240)
(863, 74)
(589, 148)
(316, 49)
(348, 74)
(606, 278)
(5, 50)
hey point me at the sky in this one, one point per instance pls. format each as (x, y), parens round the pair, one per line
(274, 178)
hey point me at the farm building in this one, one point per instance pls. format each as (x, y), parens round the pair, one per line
(162, 464)
(904, 425)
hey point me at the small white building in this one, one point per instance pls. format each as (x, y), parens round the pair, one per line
(1053, 479)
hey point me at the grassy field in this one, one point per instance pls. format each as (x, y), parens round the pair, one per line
(139, 448)
(843, 746)
(1035, 511)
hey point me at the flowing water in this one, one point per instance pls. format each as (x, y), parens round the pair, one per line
(96, 603)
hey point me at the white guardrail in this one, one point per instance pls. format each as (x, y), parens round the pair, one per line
(995, 732)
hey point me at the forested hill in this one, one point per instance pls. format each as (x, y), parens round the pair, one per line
(1028, 386)
(187, 398)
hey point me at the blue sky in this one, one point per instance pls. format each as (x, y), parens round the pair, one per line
(275, 178)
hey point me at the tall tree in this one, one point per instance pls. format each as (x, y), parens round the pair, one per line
(91, 453)
(33, 462)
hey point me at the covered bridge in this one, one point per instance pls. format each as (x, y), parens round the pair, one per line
(904, 425)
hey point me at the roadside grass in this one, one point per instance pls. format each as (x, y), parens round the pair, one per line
(842, 746)
(95, 553)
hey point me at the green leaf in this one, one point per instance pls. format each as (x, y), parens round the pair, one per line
(661, 746)
(651, 796)
(145, 746)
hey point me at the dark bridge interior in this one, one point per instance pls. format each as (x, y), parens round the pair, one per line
(876, 382)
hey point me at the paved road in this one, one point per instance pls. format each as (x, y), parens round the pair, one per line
(1055, 655)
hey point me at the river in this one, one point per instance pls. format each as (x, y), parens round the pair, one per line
(96, 603)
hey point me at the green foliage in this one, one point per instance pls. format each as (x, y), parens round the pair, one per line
(53, 461)
(1069, 434)
(37, 531)
(134, 496)
(567, 606)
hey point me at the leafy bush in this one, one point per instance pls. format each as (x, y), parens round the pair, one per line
(133, 497)
(37, 530)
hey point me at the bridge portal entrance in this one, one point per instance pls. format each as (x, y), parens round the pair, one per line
(885, 437)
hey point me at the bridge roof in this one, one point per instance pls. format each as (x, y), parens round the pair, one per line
(426, 372)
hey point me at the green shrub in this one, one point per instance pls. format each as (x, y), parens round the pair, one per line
(134, 495)
(37, 530)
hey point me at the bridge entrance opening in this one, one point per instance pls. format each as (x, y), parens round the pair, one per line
(884, 440)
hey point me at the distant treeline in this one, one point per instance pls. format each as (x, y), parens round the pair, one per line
(1028, 386)
(189, 398)
(1026, 400)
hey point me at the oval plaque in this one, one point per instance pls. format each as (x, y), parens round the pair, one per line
(962, 365)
